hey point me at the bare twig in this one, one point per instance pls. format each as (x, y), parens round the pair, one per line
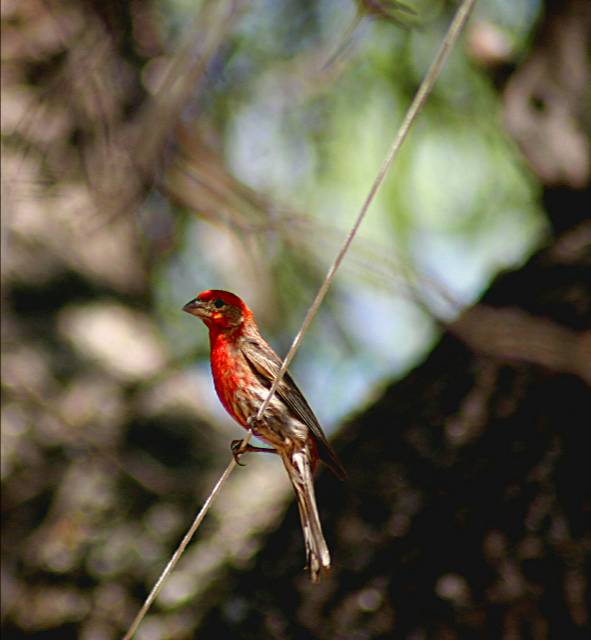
(512, 334)
(426, 86)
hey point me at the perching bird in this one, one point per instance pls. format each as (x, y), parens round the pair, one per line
(244, 366)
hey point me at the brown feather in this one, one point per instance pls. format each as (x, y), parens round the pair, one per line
(265, 364)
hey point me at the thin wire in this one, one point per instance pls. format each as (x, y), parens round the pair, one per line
(425, 88)
(419, 100)
(179, 552)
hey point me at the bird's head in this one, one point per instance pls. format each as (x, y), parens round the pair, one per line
(218, 309)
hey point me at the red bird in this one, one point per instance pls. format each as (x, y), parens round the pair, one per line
(244, 367)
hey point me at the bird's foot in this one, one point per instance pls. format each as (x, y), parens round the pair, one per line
(238, 448)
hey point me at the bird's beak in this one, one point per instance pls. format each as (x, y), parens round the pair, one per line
(195, 308)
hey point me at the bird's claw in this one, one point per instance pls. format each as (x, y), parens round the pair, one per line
(237, 447)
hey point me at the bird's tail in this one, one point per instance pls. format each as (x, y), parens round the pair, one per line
(300, 473)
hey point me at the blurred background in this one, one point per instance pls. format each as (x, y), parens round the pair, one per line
(153, 149)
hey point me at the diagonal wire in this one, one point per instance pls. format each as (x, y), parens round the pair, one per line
(423, 92)
(179, 552)
(414, 109)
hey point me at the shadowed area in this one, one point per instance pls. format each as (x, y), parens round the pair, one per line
(152, 150)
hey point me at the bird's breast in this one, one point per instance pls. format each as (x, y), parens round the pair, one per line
(231, 377)
(242, 393)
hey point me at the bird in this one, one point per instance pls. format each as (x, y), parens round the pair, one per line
(244, 366)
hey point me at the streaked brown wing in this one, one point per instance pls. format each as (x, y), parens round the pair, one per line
(265, 364)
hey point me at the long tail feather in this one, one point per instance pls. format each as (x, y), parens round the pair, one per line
(300, 473)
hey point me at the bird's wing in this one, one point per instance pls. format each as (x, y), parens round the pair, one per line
(265, 364)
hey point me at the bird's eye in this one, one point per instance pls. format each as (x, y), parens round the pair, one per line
(218, 303)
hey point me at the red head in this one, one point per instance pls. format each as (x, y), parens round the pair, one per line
(220, 310)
